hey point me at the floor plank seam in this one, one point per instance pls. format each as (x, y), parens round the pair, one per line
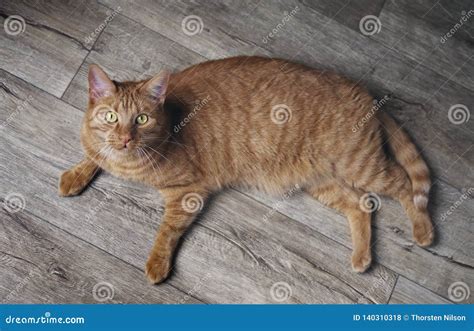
(161, 35)
(393, 288)
(33, 85)
(75, 74)
(83, 61)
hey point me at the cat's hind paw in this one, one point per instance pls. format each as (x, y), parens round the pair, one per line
(423, 234)
(157, 269)
(361, 262)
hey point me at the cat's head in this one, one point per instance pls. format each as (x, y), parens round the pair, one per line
(124, 119)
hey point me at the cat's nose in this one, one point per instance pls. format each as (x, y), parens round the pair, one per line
(126, 139)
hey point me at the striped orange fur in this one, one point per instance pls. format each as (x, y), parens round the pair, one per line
(251, 121)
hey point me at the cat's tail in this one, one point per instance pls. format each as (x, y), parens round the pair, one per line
(409, 158)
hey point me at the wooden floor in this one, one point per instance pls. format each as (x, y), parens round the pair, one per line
(246, 247)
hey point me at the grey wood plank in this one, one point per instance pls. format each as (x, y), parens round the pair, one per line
(419, 40)
(345, 12)
(209, 33)
(80, 21)
(42, 264)
(409, 292)
(229, 245)
(129, 51)
(442, 15)
(226, 31)
(448, 261)
(52, 46)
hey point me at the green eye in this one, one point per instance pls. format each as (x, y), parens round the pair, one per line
(111, 117)
(142, 119)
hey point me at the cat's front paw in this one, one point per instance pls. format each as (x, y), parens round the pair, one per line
(70, 184)
(157, 269)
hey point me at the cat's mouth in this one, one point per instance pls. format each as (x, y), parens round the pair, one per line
(118, 151)
(124, 151)
(124, 147)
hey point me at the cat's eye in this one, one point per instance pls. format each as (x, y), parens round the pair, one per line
(142, 119)
(111, 117)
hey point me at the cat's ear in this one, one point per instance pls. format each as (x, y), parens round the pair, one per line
(100, 85)
(156, 87)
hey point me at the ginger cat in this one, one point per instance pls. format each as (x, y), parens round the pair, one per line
(249, 121)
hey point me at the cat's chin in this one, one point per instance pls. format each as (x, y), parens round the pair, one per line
(122, 154)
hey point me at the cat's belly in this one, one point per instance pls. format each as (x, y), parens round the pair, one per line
(275, 179)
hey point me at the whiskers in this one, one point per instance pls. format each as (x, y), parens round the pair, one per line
(142, 152)
(140, 157)
(162, 140)
(104, 152)
(155, 151)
